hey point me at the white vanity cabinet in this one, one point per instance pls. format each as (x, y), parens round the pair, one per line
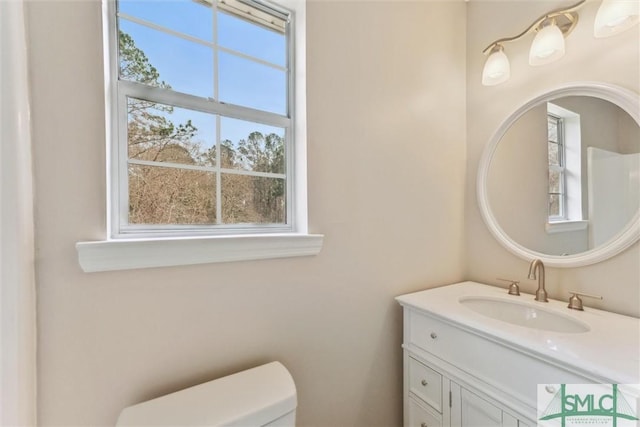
(433, 400)
(458, 377)
(466, 369)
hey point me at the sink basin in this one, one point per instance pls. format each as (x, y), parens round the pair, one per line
(524, 314)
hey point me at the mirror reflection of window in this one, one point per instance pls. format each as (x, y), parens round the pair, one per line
(514, 186)
(555, 145)
(565, 199)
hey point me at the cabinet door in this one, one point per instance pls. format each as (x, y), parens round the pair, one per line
(455, 412)
(477, 412)
(509, 420)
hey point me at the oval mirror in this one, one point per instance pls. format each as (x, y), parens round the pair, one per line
(560, 178)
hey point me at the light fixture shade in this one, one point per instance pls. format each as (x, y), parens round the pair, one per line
(547, 46)
(497, 69)
(615, 16)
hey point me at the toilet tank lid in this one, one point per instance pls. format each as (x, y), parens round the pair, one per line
(249, 398)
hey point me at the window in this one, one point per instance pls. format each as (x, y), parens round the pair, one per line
(203, 122)
(206, 134)
(557, 181)
(564, 144)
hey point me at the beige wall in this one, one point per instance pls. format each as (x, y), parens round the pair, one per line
(388, 141)
(386, 102)
(613, 60)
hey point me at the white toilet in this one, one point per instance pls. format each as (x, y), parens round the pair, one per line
(262, 396)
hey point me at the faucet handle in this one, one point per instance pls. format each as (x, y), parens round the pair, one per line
(575, 302)
(514, 289)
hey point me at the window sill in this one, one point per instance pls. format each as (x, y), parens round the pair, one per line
(109, 255)
(565, 226)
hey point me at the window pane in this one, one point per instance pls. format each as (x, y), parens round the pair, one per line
(162, 133)
(251, 39)
(253, 200)
(159, 59)
(251, 146)
(195, 18)
(554, 205)
(552, 128)
(161, 195)
(247, 83)
(554, 155)
(555, 182)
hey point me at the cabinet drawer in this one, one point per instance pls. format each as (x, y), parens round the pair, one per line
(422, 417)
(425, 383)
(431, 334)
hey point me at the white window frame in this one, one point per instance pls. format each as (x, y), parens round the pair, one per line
(571, 170)
(560, 168)
(123, 89)
(195, 245)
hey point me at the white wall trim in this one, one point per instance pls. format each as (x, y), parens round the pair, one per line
(17, 275)
(126, 254)
(565, 226)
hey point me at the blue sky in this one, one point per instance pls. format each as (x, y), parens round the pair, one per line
(188, 66)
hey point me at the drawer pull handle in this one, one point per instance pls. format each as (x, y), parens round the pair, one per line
(424, 425)
(434, 335)
(424, 382)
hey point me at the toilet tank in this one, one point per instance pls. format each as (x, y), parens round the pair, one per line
(262, 396)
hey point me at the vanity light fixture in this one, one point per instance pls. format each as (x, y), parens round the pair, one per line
(548, 45)
(614, 16)
(497, 68)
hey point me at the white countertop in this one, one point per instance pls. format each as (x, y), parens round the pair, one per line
(609, 350)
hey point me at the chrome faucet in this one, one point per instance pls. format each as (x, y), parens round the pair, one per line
(541, 293)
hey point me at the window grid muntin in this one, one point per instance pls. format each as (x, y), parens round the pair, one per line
(560, 168)
(211, 169)
(123, 89)
(211, 44)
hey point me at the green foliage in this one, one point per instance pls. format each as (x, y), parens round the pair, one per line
(150, 131)
(134, 64)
